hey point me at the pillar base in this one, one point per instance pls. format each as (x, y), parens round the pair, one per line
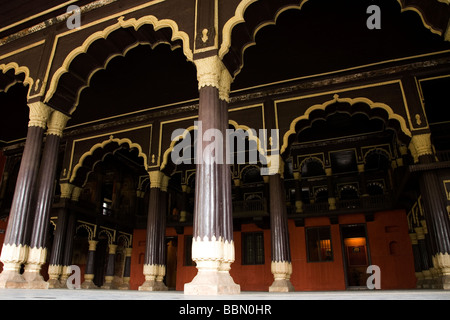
(109, 285)
(161, 286)
(149, 285)
(283, 285)
(88, 284)
(124, 286)
(54, 284)
(446, 282)
(10, 279)
(35, 280)
(212, 283)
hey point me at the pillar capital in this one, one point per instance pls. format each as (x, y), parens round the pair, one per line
(212, 72)
(422, 144)
(76, 192)
(164, 182)
(92, 245)
(112, 248)
(128, 252)
(209, 71)
(420, 233)
(156, 178)
(360, 168)
(414, 238)
(275, 165)
(56, 123)
(329, 171)
(66, 190)
(39, 114)
(225, 84)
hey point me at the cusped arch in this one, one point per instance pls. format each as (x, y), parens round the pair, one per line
(250, 173)
(314, 164)
(375, 109)
(97, 153)
(268, 11)
(14, 74)
(181, 134)
(113, 49)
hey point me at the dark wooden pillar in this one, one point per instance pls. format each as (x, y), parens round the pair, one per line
(125, 285)
(212, 202)
(162, 234)
(152, 261)
(298, 192)
(56, 255)
(226, 172)
(436, 215)
(15, 246)
(362, 181)
(184, 203)
(424, 259)
(44, 199)
(416, 255)
(68, 248)
(89, 272)
(281, 266)
(330, 187)
(110, 266)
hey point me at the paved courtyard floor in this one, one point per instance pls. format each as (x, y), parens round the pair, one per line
(99, 294)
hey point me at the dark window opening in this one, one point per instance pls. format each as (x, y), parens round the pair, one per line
(252, 248)
(318, 244)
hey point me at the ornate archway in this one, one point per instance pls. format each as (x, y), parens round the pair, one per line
(11, 74)
(100, 48)
(239, 32)
(351, 106)
(97, 153)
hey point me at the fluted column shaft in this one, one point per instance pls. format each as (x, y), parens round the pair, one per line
(44, 199)
(212, 247)
(16, 241)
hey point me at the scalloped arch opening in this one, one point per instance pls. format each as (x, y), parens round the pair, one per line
(366, 117)
(101, 48)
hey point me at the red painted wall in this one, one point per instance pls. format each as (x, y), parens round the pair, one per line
(388, 240)
(137, 259)
(3, 223)
(391, 250)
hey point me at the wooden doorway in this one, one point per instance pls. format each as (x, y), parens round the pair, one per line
(356, 255)
(171, 262)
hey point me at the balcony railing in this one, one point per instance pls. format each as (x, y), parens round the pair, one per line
(259, 208)
(368, 203)
(250, 208)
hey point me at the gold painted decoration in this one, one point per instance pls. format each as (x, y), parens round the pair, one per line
(39, 114)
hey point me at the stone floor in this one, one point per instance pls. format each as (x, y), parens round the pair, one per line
(99, 294)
